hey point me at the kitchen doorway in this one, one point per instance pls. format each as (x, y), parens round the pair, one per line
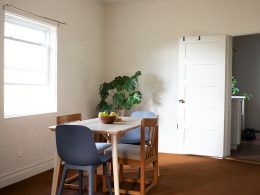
(246, 72)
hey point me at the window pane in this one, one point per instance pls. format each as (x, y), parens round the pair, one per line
(24, 33)
(25, 63)
(26, 100)
(25, 56)
(25, 77)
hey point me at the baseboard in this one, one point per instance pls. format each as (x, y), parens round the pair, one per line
(25, 172)
(242, 160)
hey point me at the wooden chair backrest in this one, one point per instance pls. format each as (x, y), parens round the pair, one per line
(68, 118)
(149, 148)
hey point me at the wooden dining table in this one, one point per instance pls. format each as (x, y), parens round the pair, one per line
(112, 132)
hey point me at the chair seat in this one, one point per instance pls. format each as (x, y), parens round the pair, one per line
(130, 140)
(128, 151)
(101, 146)
(105, 158)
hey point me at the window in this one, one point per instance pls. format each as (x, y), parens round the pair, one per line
(29, 67)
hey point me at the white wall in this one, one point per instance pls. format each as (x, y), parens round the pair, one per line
(246, 70)
(143, 35)
(80, 65)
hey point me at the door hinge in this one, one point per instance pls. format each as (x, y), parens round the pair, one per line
(181, 101)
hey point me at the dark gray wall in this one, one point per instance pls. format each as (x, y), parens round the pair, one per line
(246, 69)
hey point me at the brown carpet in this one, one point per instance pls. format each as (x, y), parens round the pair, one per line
(180, 174)
(248, 150)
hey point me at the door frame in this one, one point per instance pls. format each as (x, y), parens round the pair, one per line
(228, 100)
(227, 140)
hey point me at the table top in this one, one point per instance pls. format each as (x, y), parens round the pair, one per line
(97, 126)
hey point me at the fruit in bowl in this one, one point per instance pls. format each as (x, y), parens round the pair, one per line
(112, 113)
(107, 118)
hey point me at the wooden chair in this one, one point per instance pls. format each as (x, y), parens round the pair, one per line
(68, 118)
(134, 136)
(141, 156)
(100, 147)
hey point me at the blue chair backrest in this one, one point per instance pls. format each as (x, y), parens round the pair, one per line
(134, 136)
(75, 145)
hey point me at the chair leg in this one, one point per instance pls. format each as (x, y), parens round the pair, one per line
(142, 180)
(111, 168)
(95, 180)
(104, 183)
(121, 172)
(80, 181)
(91, 172)
(155, 172)
(105, 170)
(64, 175)
(61, 171)
(109, 165)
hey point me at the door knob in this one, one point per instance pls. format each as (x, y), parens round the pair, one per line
(181, 101)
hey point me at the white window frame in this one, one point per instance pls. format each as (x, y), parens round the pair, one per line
(51, 74)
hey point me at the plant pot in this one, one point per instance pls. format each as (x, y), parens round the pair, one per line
(120, 113)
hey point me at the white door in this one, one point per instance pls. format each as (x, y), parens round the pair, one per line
(203, 95)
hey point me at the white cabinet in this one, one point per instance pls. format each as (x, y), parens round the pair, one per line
(237, 120)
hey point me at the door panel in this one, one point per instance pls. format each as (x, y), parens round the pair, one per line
(201, 72)
(192, 118)
(197, 139)
(202, 93)
(202, 50)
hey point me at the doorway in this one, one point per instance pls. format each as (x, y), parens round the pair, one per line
(246, 71)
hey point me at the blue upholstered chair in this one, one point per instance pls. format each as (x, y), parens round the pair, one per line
(133, 136)
(101, 146)
(77, 148)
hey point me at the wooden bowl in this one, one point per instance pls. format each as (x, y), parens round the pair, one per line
(108, 119)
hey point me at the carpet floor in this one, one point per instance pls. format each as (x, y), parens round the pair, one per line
(179, 174)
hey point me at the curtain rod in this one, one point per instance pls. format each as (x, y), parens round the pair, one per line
(10, 5)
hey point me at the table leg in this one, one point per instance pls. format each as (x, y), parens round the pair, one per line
(56, 173)
(115, 164)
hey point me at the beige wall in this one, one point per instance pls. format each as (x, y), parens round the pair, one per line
(80, 61)
(143, 35)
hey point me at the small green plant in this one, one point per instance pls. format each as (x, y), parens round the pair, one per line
(119, 93)
(235, 90)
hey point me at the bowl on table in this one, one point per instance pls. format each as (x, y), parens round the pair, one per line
(108, 119)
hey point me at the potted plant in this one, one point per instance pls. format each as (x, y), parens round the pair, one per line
(119, 94)
(235, 90)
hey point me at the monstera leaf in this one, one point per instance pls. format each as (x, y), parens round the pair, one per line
(119, 93)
